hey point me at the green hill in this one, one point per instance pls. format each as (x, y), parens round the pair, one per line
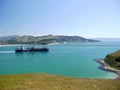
(113, 59)
(43, 39)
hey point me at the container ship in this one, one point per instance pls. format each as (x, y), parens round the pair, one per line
(31, 49)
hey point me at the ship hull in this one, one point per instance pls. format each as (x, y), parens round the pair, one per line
(34, 50)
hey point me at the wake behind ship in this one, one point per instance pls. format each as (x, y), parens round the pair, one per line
(31, 49)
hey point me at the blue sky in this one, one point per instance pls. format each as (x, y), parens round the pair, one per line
(87, 18)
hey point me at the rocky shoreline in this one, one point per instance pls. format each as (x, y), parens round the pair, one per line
(108, 68)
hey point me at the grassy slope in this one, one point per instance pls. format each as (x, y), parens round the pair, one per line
(116, 54)
(52, 82)
(112, 58)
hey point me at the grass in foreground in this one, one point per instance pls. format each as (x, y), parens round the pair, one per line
(52, 82)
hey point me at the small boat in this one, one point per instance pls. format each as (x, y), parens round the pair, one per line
(31, 49)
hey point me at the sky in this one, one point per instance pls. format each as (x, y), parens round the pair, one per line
(87, 18)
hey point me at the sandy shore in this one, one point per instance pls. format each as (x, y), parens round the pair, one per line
(4, 45)
(108, 68)
(56, 43)
(53, 43)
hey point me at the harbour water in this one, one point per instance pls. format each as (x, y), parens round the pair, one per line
(68, 59)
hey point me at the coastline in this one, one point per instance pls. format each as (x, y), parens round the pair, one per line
(56, 43)
(4, 45)
(52, 43)
(108, 68)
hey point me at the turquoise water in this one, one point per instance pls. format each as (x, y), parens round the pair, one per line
(70, 59)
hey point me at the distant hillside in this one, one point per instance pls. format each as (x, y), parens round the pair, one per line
(107, 39)
(6, 38)
(113, 59)
(42, 39)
